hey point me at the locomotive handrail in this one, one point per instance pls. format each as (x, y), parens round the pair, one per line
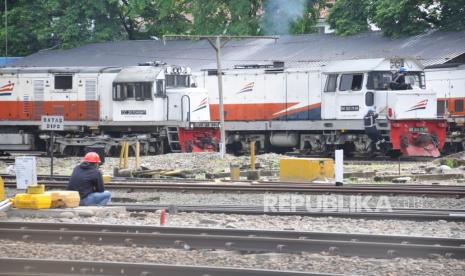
(182, 108)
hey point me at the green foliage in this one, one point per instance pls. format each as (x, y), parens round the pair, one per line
(397, 17)
(26, 33)
(291, 16)
(349, 17)
(238, 17)
(42, 24)
(452, 15)
(404, 17)
(306, 23)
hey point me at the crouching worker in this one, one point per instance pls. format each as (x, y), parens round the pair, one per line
(88, 181)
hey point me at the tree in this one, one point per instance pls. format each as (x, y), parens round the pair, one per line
(75, 23)
(213, 17)
(290, 17)
(404, 17)
(397, 18)
(452, 15)
(26, 34)
(348, 17)
(306, 23)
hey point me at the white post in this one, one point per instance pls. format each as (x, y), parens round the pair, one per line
(220, 94)
(339, 167)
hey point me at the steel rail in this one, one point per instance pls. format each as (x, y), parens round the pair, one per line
(231, 232)
(236, 243)
(415, 214)
(44, 267)
(301, 188)
(62, 179)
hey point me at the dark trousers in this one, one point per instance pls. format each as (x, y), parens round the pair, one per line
(373, 133)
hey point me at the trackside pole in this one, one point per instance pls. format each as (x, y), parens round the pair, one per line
(339, 167)
(52, 138)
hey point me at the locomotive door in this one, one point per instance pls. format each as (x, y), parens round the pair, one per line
(443, 95)
(328, 97)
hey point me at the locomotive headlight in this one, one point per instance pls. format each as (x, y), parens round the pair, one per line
(188, 70)
(169, 70)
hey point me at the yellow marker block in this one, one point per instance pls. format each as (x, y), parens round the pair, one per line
(106, 178)
(32, 201)
(2, 189)
(35, 189)
(235, 172)
(305, 169)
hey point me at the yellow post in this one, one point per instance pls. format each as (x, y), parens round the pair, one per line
(121, 155)
(137, 155)
(126, 155)
(252, 155)
(2, 189)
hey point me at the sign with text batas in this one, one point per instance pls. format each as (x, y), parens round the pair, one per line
(53, 123)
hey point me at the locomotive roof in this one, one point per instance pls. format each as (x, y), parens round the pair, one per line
(434, 47)
(366, 65)
(138, 74)
(64, 70)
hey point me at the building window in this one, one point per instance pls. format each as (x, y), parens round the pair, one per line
(351, 82)
(64, 82)
(331, 83)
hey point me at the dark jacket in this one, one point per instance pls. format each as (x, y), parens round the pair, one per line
(86, 179)
(369, 120)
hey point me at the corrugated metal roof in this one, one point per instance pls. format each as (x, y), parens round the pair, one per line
(430, 48)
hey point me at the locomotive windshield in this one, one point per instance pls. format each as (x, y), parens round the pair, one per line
(177, 80)
(138, 91)
(381, 80)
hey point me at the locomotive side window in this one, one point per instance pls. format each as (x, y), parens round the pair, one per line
(160, 88)
(331, 83)
(63, 82)
(139, 91)
(129, 91)
(442, 107)
(379, 80)
(369, 99)
(118, 94)
(351, 82)
(458, 106)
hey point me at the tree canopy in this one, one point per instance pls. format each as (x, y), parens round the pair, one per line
(41, 24)
(397, 17)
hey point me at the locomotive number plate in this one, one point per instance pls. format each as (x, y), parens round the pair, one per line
(350, 108)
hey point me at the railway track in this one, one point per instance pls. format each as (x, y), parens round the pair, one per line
(415, 214)
(43, 267)
(246, 241)
(203, 186)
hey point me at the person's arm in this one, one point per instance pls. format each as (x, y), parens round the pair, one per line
(99, 187)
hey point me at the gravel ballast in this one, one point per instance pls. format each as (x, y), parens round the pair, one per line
(295, 262)
(298, 223)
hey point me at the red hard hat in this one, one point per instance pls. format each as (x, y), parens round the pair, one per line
(92, 157)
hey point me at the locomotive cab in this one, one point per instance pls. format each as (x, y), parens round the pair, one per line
(407, 110)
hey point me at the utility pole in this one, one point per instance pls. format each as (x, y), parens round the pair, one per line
(217, 42)
(6, 31)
